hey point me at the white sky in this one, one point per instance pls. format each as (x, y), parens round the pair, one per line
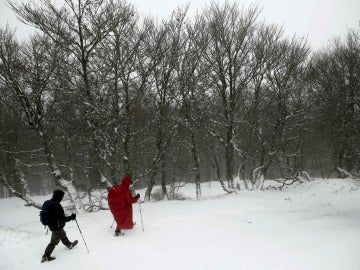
(318, 20)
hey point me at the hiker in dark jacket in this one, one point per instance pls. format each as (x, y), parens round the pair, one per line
(57, 220)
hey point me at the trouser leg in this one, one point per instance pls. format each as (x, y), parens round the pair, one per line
(49, 249)
(55, 239)
(64, 239)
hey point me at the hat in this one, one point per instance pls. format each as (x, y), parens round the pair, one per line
(126, 181)
(58, 195)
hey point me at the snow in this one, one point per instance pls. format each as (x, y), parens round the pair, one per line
(314, 225)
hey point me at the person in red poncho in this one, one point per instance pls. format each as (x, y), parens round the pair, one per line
(120, 202)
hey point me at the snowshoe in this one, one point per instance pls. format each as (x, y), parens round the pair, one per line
(46, 258)
(119, 233)
(73, 244)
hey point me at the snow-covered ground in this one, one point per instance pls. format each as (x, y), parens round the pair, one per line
(310, 226)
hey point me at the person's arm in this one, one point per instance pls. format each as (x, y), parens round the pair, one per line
(71, 217)
(131, 199)
(67, 219)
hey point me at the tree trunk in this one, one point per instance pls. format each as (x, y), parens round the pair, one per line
(229, 164)
(196, 161)
(56, 173)
(25, 197)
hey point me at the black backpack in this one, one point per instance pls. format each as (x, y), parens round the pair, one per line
(44, 213)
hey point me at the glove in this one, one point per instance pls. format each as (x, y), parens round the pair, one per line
(138, 196)
(73, 216)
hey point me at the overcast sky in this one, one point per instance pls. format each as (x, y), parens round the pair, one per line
(317, 20)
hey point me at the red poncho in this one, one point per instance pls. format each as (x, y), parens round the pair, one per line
(120, 203)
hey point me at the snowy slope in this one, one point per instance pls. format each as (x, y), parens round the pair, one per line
(310, 226)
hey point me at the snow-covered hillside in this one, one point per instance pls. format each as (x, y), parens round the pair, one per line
(310, 226)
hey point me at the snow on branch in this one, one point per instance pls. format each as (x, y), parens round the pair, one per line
(299, 176)
(105, 181)
(174, 190)
(95, 201)
(258, 176)
(344, 173)
(25, 197)
(22, 152)
(285, 182)
(214, 134)
(219, 177)
(303, 176)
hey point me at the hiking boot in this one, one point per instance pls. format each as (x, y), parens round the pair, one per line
(119, 233)
(73, 244)
(47, 258)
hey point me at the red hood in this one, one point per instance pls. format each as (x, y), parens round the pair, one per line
(126, 181)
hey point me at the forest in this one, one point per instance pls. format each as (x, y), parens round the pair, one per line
(99, 92)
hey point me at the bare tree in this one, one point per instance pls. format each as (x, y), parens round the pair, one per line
(128, 69)
(229, 71)
(249, 141)
(24, 196)
(78, 27)
(167, 41)
(27, 72)
(286, 102)
(191, 93)
(336, 74)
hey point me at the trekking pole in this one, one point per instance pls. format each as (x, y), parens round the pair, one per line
(142, 224)
(112, 223)
(82, 236)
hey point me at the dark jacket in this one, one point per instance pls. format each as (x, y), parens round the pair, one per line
(57, 218)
